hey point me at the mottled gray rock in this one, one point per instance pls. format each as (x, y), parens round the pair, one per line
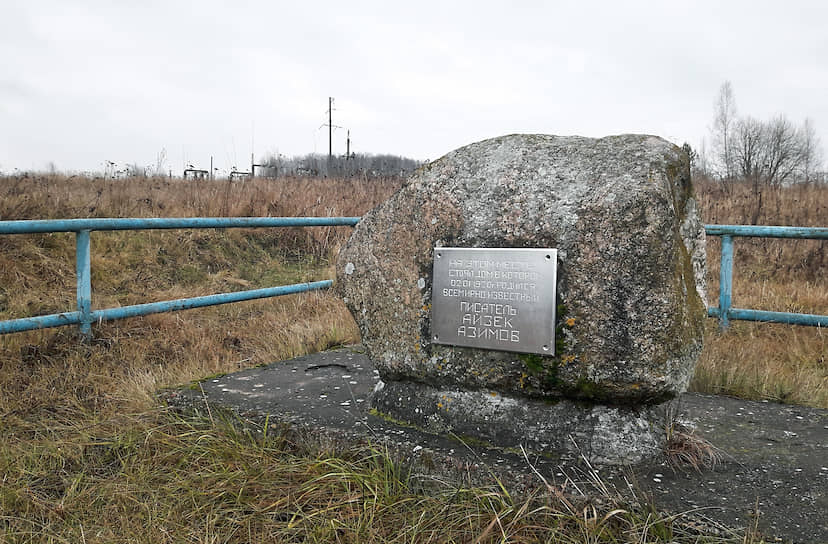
(631, 269)
(619, 210)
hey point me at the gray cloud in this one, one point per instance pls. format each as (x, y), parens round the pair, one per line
(86, 81)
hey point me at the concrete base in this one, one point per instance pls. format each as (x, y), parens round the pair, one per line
(605, 435)
(772, 454)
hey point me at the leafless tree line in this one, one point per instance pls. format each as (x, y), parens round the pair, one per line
(354, 165)
(761, 152)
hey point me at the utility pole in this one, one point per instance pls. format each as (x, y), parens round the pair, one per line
(330, 128)
(211, 168)
(348, 146)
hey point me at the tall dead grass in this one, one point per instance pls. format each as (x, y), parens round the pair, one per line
(63, 197)
(760, 361)
(86, 456)
(766, 361)
(57, 196)
(132, 358)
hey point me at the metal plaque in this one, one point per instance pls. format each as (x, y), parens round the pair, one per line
(491, 298)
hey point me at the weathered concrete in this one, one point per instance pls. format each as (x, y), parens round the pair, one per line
(604, 434)
(774, 455)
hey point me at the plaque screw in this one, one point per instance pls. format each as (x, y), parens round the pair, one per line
(436, 337)
(548, 257)
(545, 348)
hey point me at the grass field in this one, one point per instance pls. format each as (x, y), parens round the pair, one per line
(86, 455)
(781, 363)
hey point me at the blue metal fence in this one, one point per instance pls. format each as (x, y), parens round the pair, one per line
(725, 312)
(85, 316)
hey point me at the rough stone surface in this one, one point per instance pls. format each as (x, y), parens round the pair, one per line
(631, 249)
(607, 435)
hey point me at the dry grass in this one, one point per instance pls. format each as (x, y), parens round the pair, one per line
(58, 196)
(61, 197)
(685, 448)
(768, 361)
(86, 456)
(130, 359)
(153, 477)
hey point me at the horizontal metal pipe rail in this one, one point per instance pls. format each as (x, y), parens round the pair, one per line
(153, 223)
(725, 312)
(85, 316)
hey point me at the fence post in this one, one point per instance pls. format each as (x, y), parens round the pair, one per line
(725, 281)
(83, 274)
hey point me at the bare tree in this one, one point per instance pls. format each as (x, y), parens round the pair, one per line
(747, 143)
(160, 167)
(767, 153)
(812, 155)
(725, 117)
(702, 164)
(783, 153)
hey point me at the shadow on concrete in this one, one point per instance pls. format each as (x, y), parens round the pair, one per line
(774, 457)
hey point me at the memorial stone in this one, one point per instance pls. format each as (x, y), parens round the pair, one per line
(602, 233)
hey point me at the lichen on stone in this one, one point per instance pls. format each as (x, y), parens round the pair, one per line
(620, 212)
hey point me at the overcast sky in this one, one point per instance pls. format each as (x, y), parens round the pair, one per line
(83, 82)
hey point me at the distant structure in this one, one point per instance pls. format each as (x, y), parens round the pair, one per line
(195, 173)
(237, 174)
(253, 166)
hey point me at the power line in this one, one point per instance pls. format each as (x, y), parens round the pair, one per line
(330, 126)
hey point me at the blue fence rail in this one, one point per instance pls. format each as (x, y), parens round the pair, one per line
(85, 316)
(725, 312)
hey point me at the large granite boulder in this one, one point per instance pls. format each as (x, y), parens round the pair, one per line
(630, 246)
